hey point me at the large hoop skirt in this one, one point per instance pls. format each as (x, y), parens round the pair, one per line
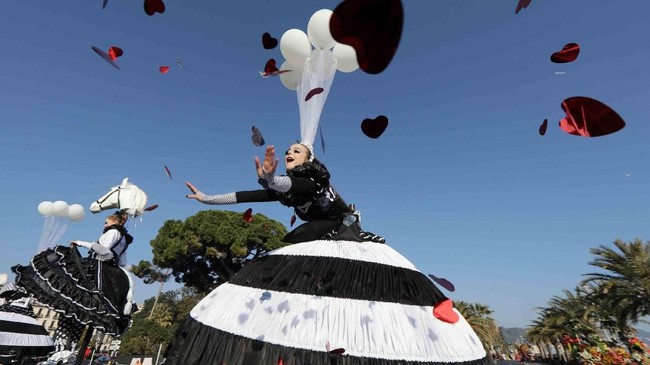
(86, 290)
(293, 305)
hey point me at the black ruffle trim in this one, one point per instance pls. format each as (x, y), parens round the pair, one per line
(340, 278)
(62, 281)
(197, 344)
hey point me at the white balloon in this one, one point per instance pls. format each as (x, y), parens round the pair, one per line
(60, 208)
(76, 212)
(45, 208)
(294, 46)
(318, 29)
(346, 58)
(292, 79)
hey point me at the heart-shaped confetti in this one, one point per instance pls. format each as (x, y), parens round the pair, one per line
(293, 220)
(374, 128)
(257, 138)
(372, 27)
(150, 208)
(542, 127)
(522, 4)
(248, 215)
(169, 173)
(589, 117)
(115, 52)
(163, 69)
(105, 56)
(269, 42)
(154, 6)
(313, 92)
(444, 311)
(569, 53)
(443, 282)
(270, 69)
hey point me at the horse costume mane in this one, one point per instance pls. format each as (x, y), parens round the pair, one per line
(126, 196)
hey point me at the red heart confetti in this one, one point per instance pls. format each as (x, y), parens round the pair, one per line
(522, 4)
(105, 56)
(153, 6)
(372, 27)
(104, 4)
(589, 117)
(569, 53)
(150, 208)
(374, 128)
(248, 215)
(293, 220)
(280, 362)
(339, 351)
(444, 311)
(163, 69)
(169, 173)
(269, 42)
(313, 92)
(257, 138)
(542, 128)
(115, 52)
(270, 69)
(443, 282)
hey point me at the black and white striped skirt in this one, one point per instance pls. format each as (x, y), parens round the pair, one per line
(22, 335)
(320, 303)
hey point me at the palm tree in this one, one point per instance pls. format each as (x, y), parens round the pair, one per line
(622, 292)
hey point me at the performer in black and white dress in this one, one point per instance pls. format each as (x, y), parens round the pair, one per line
(334, 288)
(84, 291)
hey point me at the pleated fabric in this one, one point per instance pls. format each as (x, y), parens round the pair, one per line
(21, 334)
(85, 290)
(301, 301)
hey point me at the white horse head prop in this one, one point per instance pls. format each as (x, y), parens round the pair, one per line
(125, 196)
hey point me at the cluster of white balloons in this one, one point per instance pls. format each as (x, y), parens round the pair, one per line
(296, 47)
(61, 209)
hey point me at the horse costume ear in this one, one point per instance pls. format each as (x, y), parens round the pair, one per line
(124, 182)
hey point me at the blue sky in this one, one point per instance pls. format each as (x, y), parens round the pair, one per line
(460, 183)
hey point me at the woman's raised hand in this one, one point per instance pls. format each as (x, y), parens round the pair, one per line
(194, 190)
(270, 162)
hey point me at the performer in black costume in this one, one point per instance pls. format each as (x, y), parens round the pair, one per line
(84, 291)
(306, 188)
(334, 288)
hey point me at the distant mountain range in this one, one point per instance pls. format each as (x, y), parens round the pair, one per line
(516, 334)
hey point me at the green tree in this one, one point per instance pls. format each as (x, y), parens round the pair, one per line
(149, 331)
(209, 247)
(479, 317)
